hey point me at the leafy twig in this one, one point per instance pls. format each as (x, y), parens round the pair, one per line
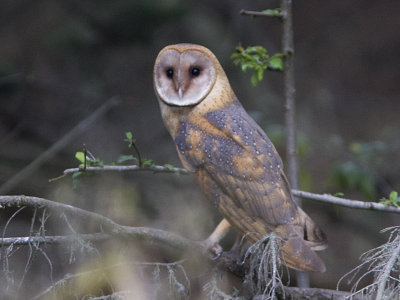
(264, 13)
(256, 58)
(131, 143)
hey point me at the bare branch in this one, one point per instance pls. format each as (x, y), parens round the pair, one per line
(140, 233)
(346, 202)
(60, 144)
(154, 168)
(57, 239)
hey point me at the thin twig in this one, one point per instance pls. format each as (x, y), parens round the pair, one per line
(60, 144)
(154, 168)
(346, 202)
(252, 13)
(57, 239)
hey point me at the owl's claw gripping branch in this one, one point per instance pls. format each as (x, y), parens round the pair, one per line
(211, 244)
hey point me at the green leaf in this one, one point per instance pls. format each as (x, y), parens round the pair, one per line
(80, 156)
(169, 167)
(129, 138)
(338, 194)
(75, 179)
(123, 158)
(275, 11)
(275, 63)
(254, 80)
(260, 74)
(129, 135)
(393, 196)
(147, 162)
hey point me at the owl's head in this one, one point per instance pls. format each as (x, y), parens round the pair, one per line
(184, 74)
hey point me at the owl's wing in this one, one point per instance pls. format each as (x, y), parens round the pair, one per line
(240, 171)
(242, 161)
(295, 251)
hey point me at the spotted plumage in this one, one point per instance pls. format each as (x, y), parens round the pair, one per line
(235, 163)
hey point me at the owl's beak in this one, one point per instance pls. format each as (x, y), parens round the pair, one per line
(180, 84)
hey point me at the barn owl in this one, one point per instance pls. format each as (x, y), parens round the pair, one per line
(235, 163)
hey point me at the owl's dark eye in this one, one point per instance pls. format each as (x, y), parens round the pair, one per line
(170, 73)
(195, 72)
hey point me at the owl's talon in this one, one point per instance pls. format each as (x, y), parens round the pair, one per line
(217, 256)
(212, 248)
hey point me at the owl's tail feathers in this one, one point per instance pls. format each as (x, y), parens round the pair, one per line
(312, 235)
(297, 255)
(302, 238)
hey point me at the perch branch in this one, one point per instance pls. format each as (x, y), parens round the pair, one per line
(60, 144)
(150, 235)
(226, 261)
(140, 233)
(346, 202)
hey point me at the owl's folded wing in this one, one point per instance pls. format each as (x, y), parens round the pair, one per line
(234, 158)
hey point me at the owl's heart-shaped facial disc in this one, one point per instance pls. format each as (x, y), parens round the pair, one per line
(183, 78)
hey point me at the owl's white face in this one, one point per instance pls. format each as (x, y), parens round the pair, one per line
(183, 78)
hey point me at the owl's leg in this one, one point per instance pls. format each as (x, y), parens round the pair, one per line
(212, 242)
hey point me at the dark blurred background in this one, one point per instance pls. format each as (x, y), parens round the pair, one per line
(62, 59)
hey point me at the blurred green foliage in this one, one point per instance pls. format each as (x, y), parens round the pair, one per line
(256, 58)
(277, 135)
(75, 34)
(357, 173)
(350, 175)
